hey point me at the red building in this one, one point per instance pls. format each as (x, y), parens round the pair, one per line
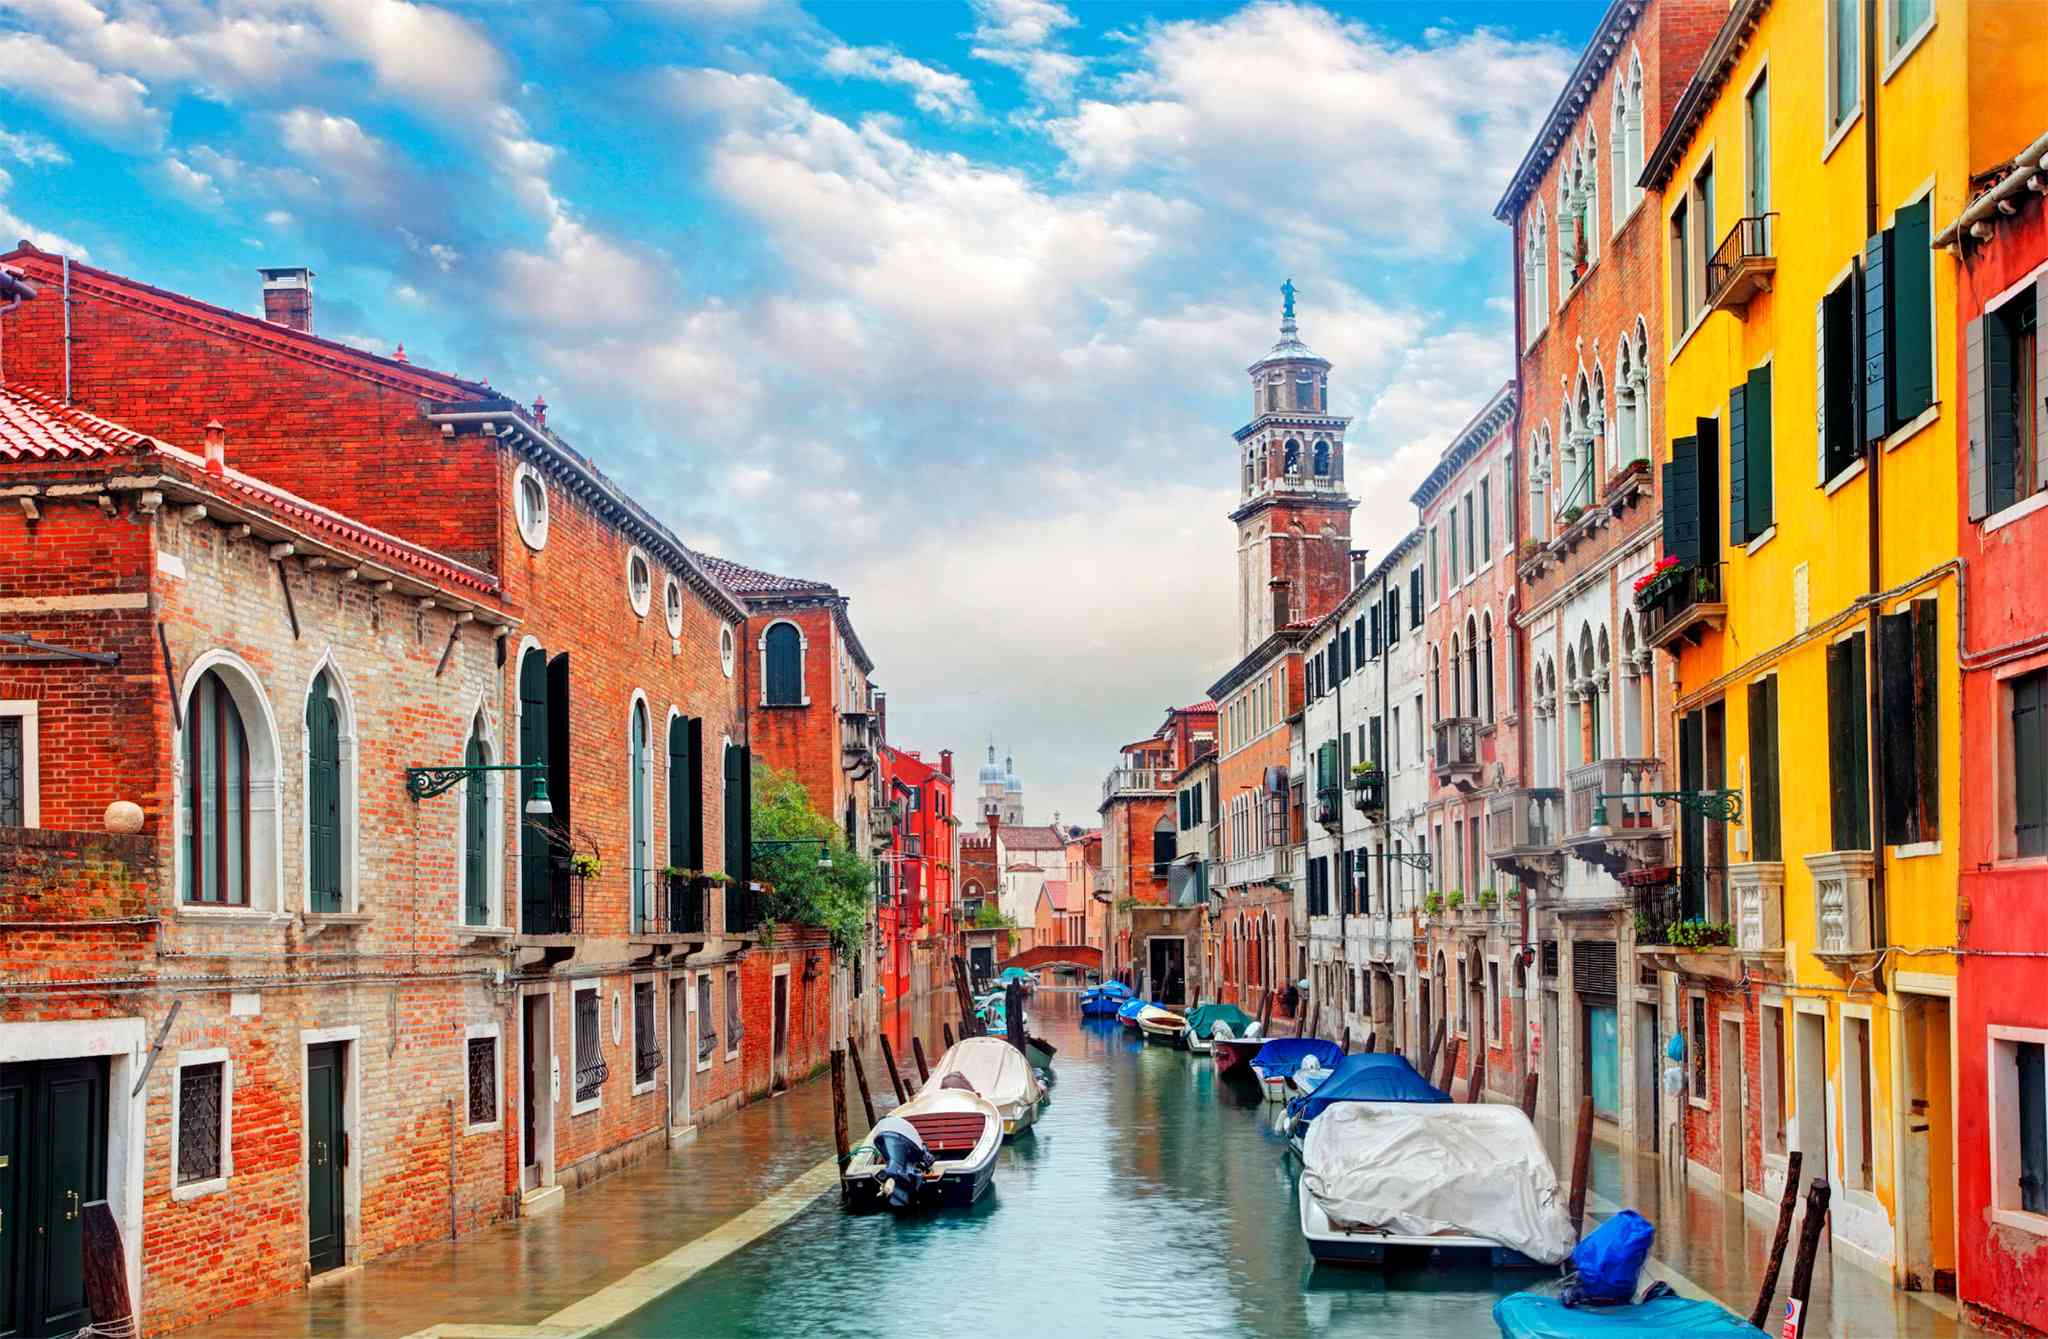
(1152, 940)
(917, 914)
(2001, 1060)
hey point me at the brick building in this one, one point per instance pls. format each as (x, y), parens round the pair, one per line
(383, 568)
(917, 915)
(1151, 938)
(1588, 245)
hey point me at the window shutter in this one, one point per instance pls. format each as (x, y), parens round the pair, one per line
(1912, 333)
(534, 857)
(1764, 840)
(1877, 364)
(1738, 466)
(1895, 670)
(2001, 432)
(679, 786)
(1927, 717)
(2030, 763)
(1820, 391)
(2031, 1061)
(1839, 760)
(476, 809)
(1759, 502)
(1681, 500)
(323, 799)
(1707, 490)
(1978, 398)
(559, 747)
(2040, 379)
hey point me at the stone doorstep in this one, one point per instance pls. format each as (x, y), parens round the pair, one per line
(541, 1200)
(327, 1278)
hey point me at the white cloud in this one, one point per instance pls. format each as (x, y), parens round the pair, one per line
(218, 52)
(934, 90)
(1017, 34)
(423, 56)
(31, 150)
(191, 183)
(112, 107)
(341, 154)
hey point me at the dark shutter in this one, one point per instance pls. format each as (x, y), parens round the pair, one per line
(2032, 1105)
(731, 803)
(559, 746)
(2000, 427)
(1738, 467)
(1927, 718)
(533, 748)
(1765, 825)
(1593, 970)
(1708, 490)
(1877, 379)
(1900, 772)
(1760, 460)
(1681, 500)
(1848, 746)
(682, 780)
(2040, 380)
(747, 814)
(1912, 333)
(323, 798)
(476, 837)
(1979, 401)
(785, 672)
(2030, 763)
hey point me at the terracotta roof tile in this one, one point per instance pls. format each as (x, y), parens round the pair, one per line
(746, 580)
(35, 427)
(1024, 837)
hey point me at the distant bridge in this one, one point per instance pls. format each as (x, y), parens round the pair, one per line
(1057, 955)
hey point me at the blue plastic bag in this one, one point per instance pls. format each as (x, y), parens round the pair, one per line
(1608, 1258)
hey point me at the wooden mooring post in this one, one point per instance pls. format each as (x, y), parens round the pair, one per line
(1475, 1086)
(1810, 1228)
(1013, 1014)
(1787, 1203)
(106, 1270)
(1582, 1158)
(1344, 1042)
(1266, 1015)
(1436, 1043)
(895, 1074)
(969, 1025)
(1529, 1085)
(946, 1031)
(860, 1074)
(924, 1071)
(839, 1137)
(1451, 1063)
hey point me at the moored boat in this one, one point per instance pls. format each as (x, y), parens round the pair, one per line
(995, 1069)
(1018, 974)
(1277, 1060)
(936, 1150)
(1160, 1024)
(1365, 1077)
(1128, 1013)
(1233, 1054)
(1104, 1000)
(1040, 1052)
(1204, 1019)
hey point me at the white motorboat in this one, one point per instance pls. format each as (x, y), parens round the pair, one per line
(1443, 1181)
(1161, 1025)
(997, 1071)
(938, 1150)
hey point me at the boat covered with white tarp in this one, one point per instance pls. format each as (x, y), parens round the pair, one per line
(1448, 1180)
(998, 1071)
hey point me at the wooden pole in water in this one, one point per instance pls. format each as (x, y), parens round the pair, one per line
(1529, 1083)
(860, 1074)
(1582, 1157)
(839, 1137)
(969, 1027)
(924, 1071)
(1344, 1041)
(895, 1075)
(1475, 1085)
(1786, 1205)
(1013, 1014)
(1266, 1014)
(1370, 1039)
(1450, 1064)
(1810, 1229)
(1436, 1043)
(106, 1268)
(946, 1030)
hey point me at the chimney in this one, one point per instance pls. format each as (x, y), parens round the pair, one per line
(216, 448)
(288, 297)
(1282, 602)
(1357, 568)
(946, 762)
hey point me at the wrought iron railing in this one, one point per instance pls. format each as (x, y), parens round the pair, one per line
(1747, 247)
(559, 911)
(742, 908)
(686, 899)
(1672, 593)
(1579, 494)
(1696, 893)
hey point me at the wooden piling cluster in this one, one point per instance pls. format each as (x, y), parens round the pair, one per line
(1786, 1204)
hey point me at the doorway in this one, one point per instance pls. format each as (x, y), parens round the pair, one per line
(1811, 1064)
(1168, 961)
(981, 963)
(1649, 1092)
(327, 1154)
(680, 1060)
(53, 1161)
(1927, 1216)
(1731, 1107)
(1603, 1057)
(536, 1092)
(780, 1050)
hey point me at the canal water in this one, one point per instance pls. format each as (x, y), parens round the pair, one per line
(1151, 1199)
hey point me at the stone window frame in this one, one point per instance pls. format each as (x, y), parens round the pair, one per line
(496, 790)
(212, 1185)
(579, 1106)
(653, 1080)
(350, 771)
(672, 604)
(473, 1032)
(734, 998)
(803, 655)
(266, 792)
(534, 534)
(27, 709)
(639, 594)
(2003, 1144)
(728, 648)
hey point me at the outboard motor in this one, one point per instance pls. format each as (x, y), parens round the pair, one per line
(905, 1160)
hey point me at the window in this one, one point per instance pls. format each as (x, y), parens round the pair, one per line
(2029, 710)
(591, 1071)
(1848, 746)
(1535, 274)
(1680, 250)
(324, 787)
(1840, 377)
(1905, 20)
(1322, 460)
(1909, 670)
(1485, 550)
(707, 1026)
(640, 777)
(204, 1144)
(1696, 1048)
(2019, 1110)
(1464, 1003)
(1493, 1001)
(479, 824)
(1701, 205)
(1765, 828)
(1393, 615)
(734, 1027)
(1756, 139)
(1845, 65)
(782, 666)
(639, 581)
(482, 1079)
(1751, 509)
(18, 782)
(1305, 392)
(1898, 321)
(217, 838)
(1291, 457)
(686, 793)
(725, 649)
(1856, 1103)
(1771, 1078)
(2008, 402)
(1472, 554)
(646, 1045)
(672, 605)
(530, 507)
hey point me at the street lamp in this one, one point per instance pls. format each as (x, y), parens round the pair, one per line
(422, 782)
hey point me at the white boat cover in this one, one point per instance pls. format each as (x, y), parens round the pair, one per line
(1421, 1170)
(993, 1067)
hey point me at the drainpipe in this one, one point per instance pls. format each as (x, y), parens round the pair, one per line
(67, 330)
(1880, 920)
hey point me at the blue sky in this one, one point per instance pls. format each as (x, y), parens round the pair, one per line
(947, 303)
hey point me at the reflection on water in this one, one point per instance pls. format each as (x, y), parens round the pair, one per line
(1150, 1199)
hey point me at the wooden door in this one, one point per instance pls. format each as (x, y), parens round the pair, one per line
(326, 1155)
(53, 1134)
(781, 1051)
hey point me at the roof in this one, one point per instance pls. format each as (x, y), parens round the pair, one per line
(1600, 52)
(1697, 98)
(753, 581)
(1284, 642)
(1056, 889)
(1484, 426)
(1206, 704)
(35, 427)
(1025, 837)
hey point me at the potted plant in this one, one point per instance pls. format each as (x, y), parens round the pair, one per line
(1432, 903)
(585, 864)
(1455, 900)
(1573, 513)
(1651, 586)
(1488, 900)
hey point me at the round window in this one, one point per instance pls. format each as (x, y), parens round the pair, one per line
(672, 605)
(725, 648)
(639, 580)
(530, 506)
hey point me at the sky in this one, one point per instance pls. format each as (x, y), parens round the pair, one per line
(948, 304)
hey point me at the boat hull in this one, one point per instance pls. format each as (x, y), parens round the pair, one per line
(1329, 1244)
(1234, 1057)
(1166, 1034)
(1197, 1045)
(949, 1190)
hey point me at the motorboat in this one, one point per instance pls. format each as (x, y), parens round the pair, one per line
(995, 1069)
(1018, 974)
(1365, 1077)
(936, 1150)
(1128, 1013)
(1160, 1024)
(1104, 1000)
(1441, 1182)
(1204, 1019)
(1532, 1315)
(1233, 1051)
(1277, 1060)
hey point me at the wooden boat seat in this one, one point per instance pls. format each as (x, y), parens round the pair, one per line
(949, 1132)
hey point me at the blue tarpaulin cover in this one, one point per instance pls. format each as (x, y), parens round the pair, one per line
(1130, 1010)
(1607, 1259)
(1279, 1058)
(1105, 999)
(1367, 1078)
(1539, 1316)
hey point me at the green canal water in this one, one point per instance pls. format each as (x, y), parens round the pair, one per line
(1150, 1200)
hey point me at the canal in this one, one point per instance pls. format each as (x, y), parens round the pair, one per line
(1152, 1199)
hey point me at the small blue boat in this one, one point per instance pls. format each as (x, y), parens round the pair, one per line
(1128, 1012)
(1541, 1316)
(1279, 1058)
(1104, 1000)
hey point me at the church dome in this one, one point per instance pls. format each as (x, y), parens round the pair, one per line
(991, 771)
(1011, 785)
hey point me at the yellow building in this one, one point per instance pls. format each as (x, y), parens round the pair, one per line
(1811, 495)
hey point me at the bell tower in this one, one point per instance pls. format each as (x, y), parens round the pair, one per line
(1293, 513)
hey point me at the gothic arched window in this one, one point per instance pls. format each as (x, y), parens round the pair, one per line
(1322, 460)
(1305, 392)
(216, 796)
(1291, 457)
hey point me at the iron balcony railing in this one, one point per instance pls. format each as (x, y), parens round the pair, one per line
(1694, 893)
(686, 899)
(1578, 494)
(1741, 267)
(558, 910)
(742, 909)
(1369, 792)
(1677, 599)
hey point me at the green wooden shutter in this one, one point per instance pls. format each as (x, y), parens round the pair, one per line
(1927, 717)
(2031, 1061)
(681, 781)
(323, 799)
(1899, 769)
(734, 802)
(1912, 312)
(1765, 842)
(1681, 500)
(1978, 398)
(1760, 460)
(1708, 490)
(747, 814)
(1738, 466)
(476, 837)
(560, 746)
(2030, 763)
(1877, 329)
(2001, 429)
(533, 748)
(1840, 755)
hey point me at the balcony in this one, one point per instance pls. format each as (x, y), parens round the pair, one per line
(1265, 866)
(1675, 929)
(742, 909)
(1743, 265)
(1680, 604)
(1524, 829)
(1841, 894)
(1369, 793)
(1457, 752)
(1634, 831)
(1758, 891)
(1330, 807)
(556, 910)
(1136, 781)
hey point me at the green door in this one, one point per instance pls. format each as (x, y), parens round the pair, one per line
(326, 1154)
(15, 1229)
(53, 1135)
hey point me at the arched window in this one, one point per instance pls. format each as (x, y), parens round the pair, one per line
(1620, 182)
(1631, 690)
(782, 666)
(479, 824)
(643, 843)
(1472, 663)
(1305, 392)
(1436, 686)
(324, 782)
(1322, 460)
(1291, 457)
(1457, 679)
(1250, 479)
(216, 796)
(1488, 663)
(1165, 845)
(1589, 196)
(1597, 457)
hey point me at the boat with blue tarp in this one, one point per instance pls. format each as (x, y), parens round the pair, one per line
(1279, 1058)
(1104, 1000)
(1365, 1077)
(1533, 1315)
